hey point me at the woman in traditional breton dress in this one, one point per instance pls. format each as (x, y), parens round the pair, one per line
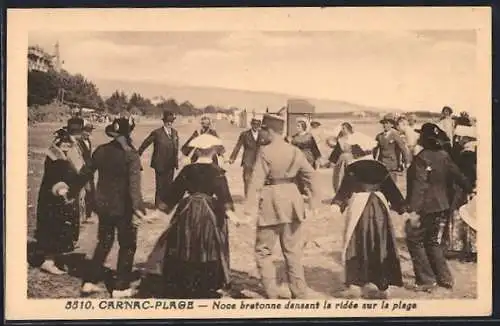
(57, 224)
(194, 249)
(460, 238)
(369, 254)
(207, 127)
(348, 147)
(305, 141)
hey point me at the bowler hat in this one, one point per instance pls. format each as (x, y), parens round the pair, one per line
(168, 116)
(273, 122)
(75, 125)
(315, 124)
(120, 127)
(388, 118)
(368, 171)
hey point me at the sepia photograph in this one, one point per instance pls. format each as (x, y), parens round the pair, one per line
(294, 168)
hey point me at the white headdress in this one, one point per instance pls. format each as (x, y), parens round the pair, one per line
(205, 141)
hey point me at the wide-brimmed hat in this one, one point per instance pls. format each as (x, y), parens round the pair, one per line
(368, 171)
(168, 116)
(205, 141)
(62, 134)
(430, 129)
(388, 118)
(431, 132)
(273, 122)
(120, 127)
(74, 125)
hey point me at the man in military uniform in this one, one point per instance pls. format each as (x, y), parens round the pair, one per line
(428, 179)
(281, 207)
(250, 141)
(165, 158)
(118, 202)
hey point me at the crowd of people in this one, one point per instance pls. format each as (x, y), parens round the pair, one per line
(191, 259)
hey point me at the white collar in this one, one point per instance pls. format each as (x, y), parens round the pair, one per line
(204, 160)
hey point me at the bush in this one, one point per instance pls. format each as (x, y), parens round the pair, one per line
(47, 113)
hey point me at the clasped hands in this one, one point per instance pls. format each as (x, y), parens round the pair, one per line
(63, 193)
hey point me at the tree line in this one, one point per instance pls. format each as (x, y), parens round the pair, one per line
(50, 87)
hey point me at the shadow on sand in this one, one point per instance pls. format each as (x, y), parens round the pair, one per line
(238, 199)
(77, 265)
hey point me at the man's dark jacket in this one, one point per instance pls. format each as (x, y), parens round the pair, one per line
(250, 148)
(428, 180)
(118, 190)
(165, 149)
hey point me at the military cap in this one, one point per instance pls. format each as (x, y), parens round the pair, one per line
(273, 122)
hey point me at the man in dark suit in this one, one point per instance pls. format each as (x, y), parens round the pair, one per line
(85, 144)
(390, 146)
(165, 158)
(118, 203)
(428, 179)
(250, 141)
(206, 128)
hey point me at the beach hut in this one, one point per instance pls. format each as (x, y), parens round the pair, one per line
(297, 109)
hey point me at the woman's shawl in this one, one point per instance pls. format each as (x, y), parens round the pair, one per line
(74, 156)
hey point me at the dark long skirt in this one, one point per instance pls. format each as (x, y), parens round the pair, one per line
(195, 249)
(371, 255)
(57, 225)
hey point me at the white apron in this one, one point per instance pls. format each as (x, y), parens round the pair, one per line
(352, 214)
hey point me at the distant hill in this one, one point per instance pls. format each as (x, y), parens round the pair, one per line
(222, 97)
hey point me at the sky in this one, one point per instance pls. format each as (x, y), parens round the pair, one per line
(407, 69)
